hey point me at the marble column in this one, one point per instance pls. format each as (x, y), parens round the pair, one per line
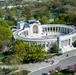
(45, 46)
(60, 29)
(47, 29)
(71, 41)
(52, 29)
(66, 30)
(59, 42)
(57, 29)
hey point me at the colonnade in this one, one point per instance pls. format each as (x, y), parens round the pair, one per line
(56, 29)
(48, 42)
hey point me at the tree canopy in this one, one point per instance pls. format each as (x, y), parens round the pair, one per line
(19, 50)
(3, 24)
(5, 33)
(35, 53)
(74, 43)
(23, 52)
(54, 48)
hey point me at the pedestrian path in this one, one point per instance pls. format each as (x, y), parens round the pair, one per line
(36, 66)
(39, 65)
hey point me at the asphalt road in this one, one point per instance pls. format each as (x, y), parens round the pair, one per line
(62, 64)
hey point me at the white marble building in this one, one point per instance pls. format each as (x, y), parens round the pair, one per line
(33, 31)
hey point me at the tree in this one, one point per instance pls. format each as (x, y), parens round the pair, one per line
(3, 24)
(1, 15)
(34, 53)
(71, 68)
(19, 50)
(62, 16)
(43, 20)
(68, 9)
(5, 45)
(54, 48)
(40, 53)
(5, 33)
(11, 23)
(11, 60)
(23, 53)
(57, 21)
(70, 19)
(55, 3)
(0, 44)
(74, 43)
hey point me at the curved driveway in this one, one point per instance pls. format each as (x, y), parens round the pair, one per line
(62, 64)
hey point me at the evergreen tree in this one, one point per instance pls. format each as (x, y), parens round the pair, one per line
(54, 48)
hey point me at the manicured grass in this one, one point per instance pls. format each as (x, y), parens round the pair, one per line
(61, 74)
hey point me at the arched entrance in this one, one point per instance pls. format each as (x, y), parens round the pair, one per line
(35, 29)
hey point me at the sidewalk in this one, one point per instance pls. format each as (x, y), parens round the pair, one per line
(35, 66)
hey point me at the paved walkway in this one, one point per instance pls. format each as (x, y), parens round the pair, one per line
(35, 66)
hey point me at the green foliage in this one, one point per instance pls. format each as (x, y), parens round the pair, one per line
(5, 33)
(34, 53)
(0, 44)
(3, 24)
(6, 71)
(74, 43)
(70, 19)
(29, 17)
(54, 48)
(55, 3)
(11, 60)
(19, 50)
(23, 52)
(57, 21)
(1, 15)
(26, 53)
(44, 20)
(38, 9)
(62, 17)
(69, 2)
(11, 23)
(1, 56)
(5, 44)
